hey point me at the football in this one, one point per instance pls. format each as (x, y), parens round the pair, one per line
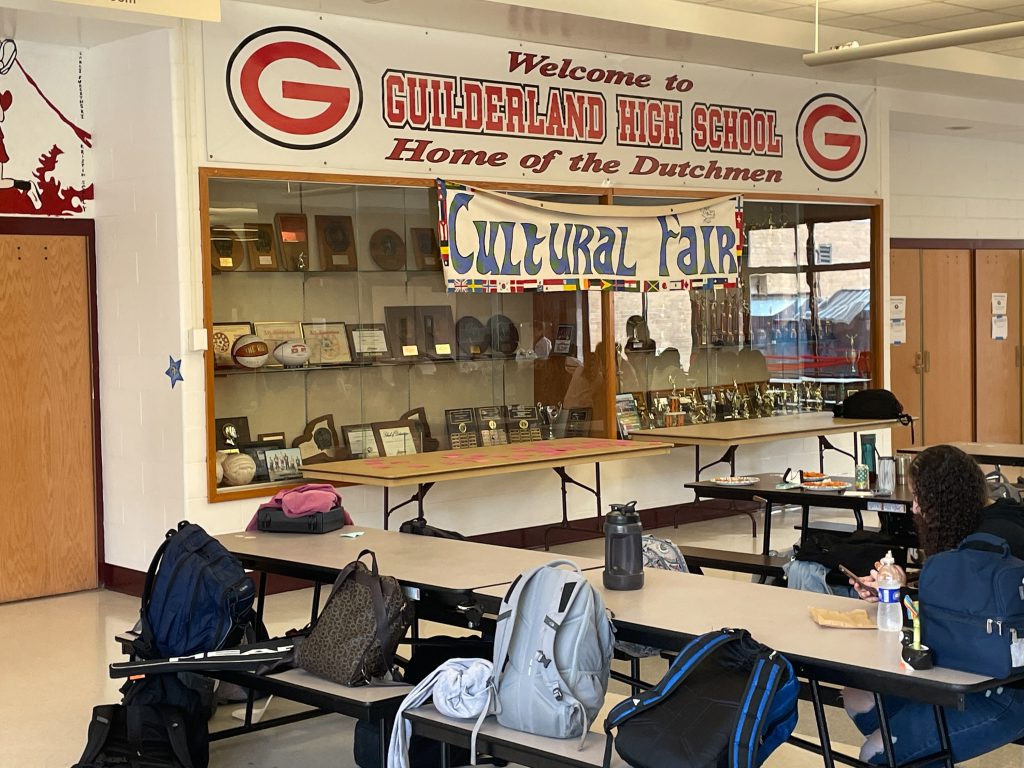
(249, 351)
(239, 469)
(291, 353)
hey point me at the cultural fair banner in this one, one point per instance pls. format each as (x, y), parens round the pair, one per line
(311, 90)
(495, 243)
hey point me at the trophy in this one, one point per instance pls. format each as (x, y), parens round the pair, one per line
(548, 414)
(851, 353)
(818, 399)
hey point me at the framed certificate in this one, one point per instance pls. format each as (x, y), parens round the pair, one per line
(327, 342)
(369, 341)
(259, 241)
(274, 333)
(223, 337)
(395, 438)
(360, 441)
(337, 243)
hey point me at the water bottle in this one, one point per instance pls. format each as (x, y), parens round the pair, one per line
(623, 548)
(890, 615)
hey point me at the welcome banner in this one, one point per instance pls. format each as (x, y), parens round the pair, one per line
(497, 243)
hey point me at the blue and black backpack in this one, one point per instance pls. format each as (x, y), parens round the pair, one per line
(197, 597)
(726, 702)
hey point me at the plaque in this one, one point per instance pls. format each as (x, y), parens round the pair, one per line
(226, 251)
(490, 421)
(222, 338)
(327, 342)
(435, 331)
(627, 414)
(387, 249)
(259, 240)
(461, 425)
(232, 432)
(524, 424)
(402, 332)
(293, 241)
(577, 422)
(318, 438)
(504, 336)
(368, 341)
(258, 453)
(563, 340)
(471, 337)
(424, 248)
(337, 243)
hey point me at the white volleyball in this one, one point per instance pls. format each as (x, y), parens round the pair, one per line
(239, 469)
(250, 351)
(291, 353)
(220, 468)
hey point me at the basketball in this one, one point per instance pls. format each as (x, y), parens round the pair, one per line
(250, 351)
(239, 469)
(291, 353)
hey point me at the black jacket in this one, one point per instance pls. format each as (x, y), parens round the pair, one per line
(1005, 519)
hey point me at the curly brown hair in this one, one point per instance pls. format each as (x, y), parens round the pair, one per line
(950, 490)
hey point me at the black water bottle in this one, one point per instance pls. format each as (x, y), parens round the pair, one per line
(623, 548)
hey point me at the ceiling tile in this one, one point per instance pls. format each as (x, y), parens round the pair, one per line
(978, 19)
(870, 6)
(985, 5)
(904, 30)
(806, 13)
(754, 6)
(862, 23)
(998, 46)
(923, 13)
(1016, 11)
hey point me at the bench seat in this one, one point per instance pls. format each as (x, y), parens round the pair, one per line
(698, 558)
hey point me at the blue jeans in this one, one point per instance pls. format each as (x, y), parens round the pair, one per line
(988, 721)
(810, 577)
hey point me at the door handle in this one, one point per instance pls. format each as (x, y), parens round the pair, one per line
(927, 361)
(918, 363)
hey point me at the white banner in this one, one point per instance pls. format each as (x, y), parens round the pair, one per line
(496, 243)
(311, 90)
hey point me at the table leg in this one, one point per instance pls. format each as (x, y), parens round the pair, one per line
(446, 755)
(387, 512)
(385, 738)
(822, 723)
(805, 521)
(567, 480)
(766, 547)
(316, 602)
(825, 445)
(421, 492)
(261, 594)
(883, 726)
(944, 745)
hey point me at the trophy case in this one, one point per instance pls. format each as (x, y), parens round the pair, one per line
(331, 335)
(797, 331)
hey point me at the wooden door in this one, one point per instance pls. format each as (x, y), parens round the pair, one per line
(997, 368)
(48, 525)
(948, 339)
(907, 358)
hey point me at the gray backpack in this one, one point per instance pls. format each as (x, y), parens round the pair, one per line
(552, 653)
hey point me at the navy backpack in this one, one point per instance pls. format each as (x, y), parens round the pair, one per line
(197, 597)
(726, 702)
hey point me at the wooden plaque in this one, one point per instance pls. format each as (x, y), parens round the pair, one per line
(337, 241)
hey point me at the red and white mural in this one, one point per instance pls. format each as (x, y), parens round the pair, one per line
(45, 149)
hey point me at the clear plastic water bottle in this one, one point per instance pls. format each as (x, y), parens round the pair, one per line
(890, 615)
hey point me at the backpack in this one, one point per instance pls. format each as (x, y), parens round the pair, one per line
(858, 551)
(196, 598)
(419, 526)
(552, 653)
(353, 640)
(726, 701)
(662, 554)
(873, 404)
(159, 724)
(972, 607)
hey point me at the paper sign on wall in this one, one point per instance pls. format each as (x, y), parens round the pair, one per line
(998, 303)
(897, 307)
(1000, 327)
(898, 331)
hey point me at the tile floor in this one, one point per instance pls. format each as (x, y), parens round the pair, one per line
(56, 651)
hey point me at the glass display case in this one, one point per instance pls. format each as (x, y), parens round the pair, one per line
(332, 337)
(793, 333)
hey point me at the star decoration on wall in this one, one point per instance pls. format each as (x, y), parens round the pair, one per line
(173, 371)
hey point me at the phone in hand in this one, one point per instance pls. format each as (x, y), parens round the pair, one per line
(860, 582)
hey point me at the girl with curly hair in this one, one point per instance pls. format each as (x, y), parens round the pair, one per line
(950, 503)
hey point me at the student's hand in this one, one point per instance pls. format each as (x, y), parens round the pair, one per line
(862, 593)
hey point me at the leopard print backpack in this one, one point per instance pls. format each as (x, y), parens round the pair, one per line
(354, 638)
